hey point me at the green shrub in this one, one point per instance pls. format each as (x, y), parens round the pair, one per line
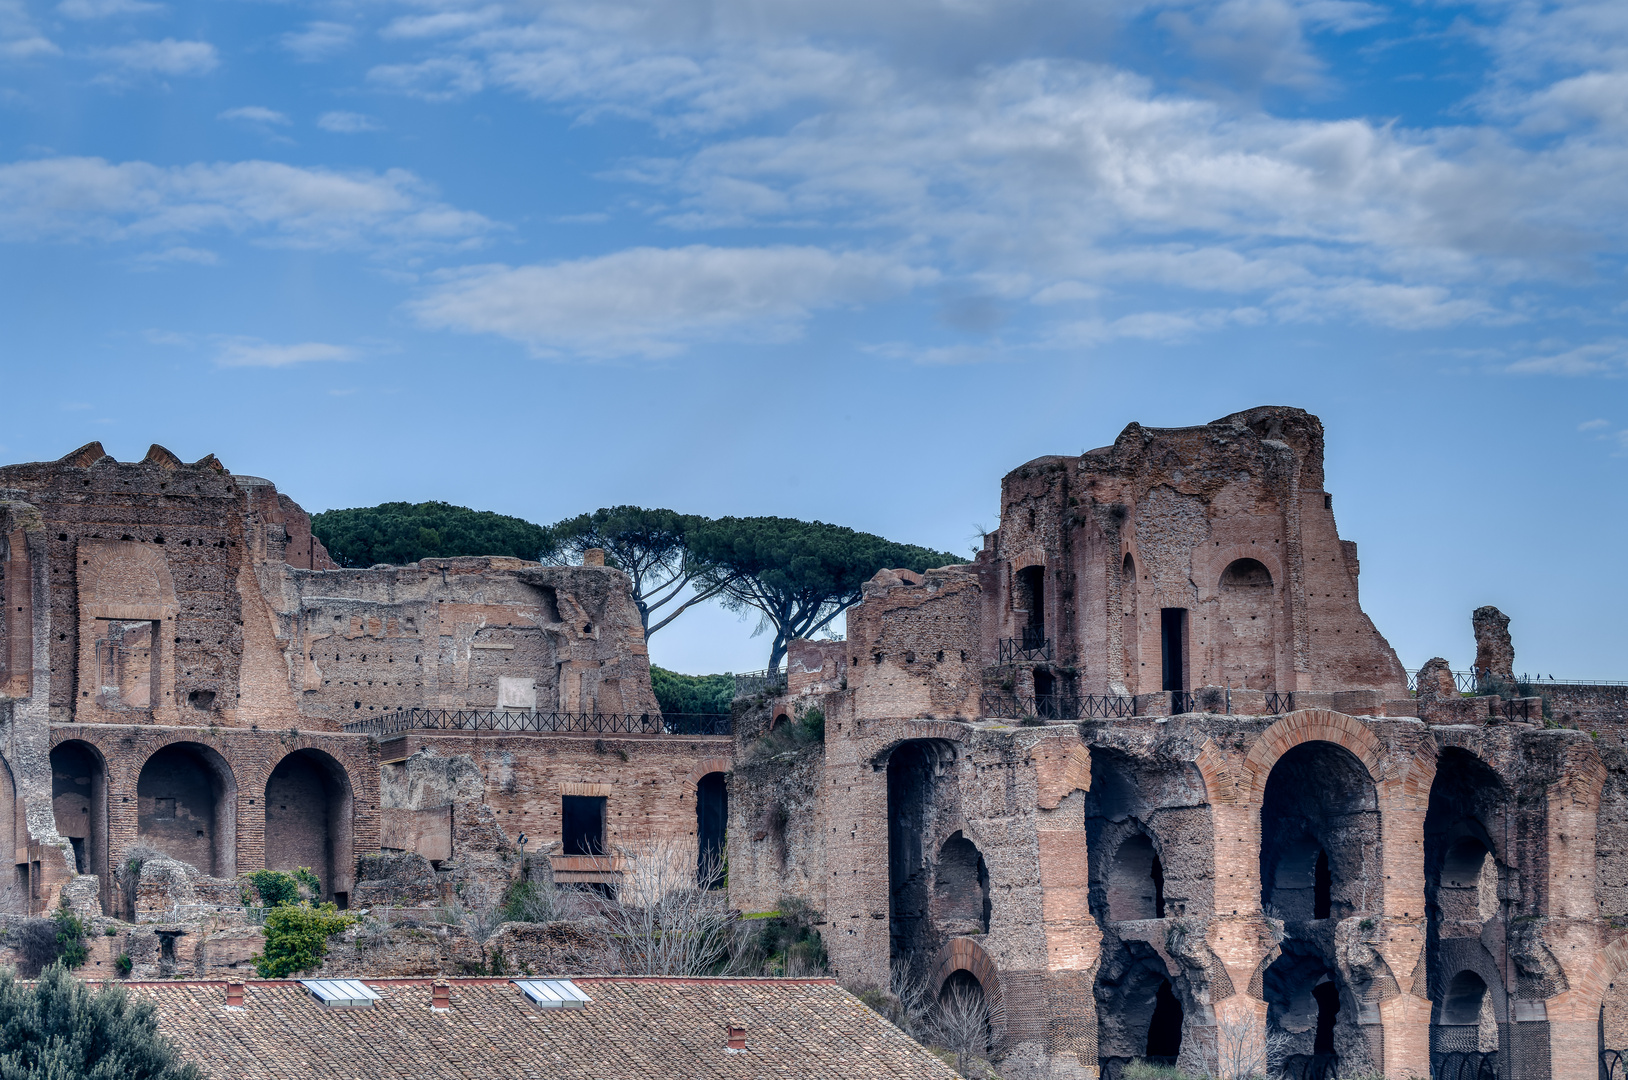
(58, 1028)
(297, 937)
(278, 888)
(1147, 1070)
(790, 737)
(123, 964)
(71, 948)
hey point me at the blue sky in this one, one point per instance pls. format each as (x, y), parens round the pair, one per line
(845, 260)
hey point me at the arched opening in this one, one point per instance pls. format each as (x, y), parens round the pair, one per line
(79, 801)
(1466, 812)
(1128, 628)
(1320, 846)
(1136, 881)
(186, 806)
(308, 820)
(1029, 598)
(1302, 1002)
(711, 826)
(964, 1019)
(911, 771)
(15, 888)
(1246, 574)
(960, 902)
(1164, 1030)
(1242, 628)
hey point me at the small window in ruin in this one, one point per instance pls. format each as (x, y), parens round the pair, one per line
(582, 824)
(201, 699)
(1328, 502)
(1246, 573)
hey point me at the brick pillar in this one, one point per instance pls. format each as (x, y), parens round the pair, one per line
(856, 863)
(1572, 817)
(1405, 1018)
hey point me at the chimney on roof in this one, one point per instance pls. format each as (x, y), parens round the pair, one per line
(593, 557)
(737, 1039)
(234, 995)
(441, 997)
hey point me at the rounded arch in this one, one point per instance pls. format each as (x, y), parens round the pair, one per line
(960, 902)
(1135, 879)
(963, 954)
(1303, 726)
(708, 765)
(1246, 573)
(309, 808)
(79, 803)
(1210, 564)
(186, 806)
(1320, 854)
(913, 770)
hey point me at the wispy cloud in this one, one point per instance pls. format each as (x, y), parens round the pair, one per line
(92, 199)
(253, 352)
(1605, 357)
(106, 9)
(157, 58)
(319, 40)
(656, 301)
(346, 123)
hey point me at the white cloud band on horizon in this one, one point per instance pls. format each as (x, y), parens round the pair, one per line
(654, 302)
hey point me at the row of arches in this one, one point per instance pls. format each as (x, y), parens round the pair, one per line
(186, 805)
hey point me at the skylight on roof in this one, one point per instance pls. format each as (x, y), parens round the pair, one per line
(553, 993)
(341, 993)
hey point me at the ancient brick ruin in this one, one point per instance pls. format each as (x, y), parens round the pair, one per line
(1143, 774)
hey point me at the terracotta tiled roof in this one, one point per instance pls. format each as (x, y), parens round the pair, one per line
(644, 1028)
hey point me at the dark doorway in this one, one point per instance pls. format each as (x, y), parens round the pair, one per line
(79, 800)
(308, 819)
(711, 821)
(1173, 646)
(1328, 1004)
(1164, 1032)
(582, 824)
(1045, 695)
(1031, 594)
(909, 813)
(1158, 888)
(1322, 900)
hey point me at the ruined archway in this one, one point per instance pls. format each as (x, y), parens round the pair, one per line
(79, 801)
(1466, 1019)
(711, 824)
(1135, 880)
(1320, 836)
(1140, 1014)
(960, 902)
(1305, 1013)
(913, 769)
(308, 820)
(186, 806)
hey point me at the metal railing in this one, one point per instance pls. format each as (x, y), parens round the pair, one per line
(1612, 1065)
(1106, 705)
(1521, 708)
(1065, 707)
(1467, 1065)
(1473, 681)
(1466, 682)
(1279, 703)
(551, 722)
(748, 683)
(1182, 701)
(1023, 650)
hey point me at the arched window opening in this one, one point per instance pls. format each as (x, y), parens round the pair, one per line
(960, 902)
(1029, 597)
(186, 807)
(1320, 847)
(910, 773)
(308, 820)
(1135, 891)
(1468, 893)
(13, 829)
(711, 826)
(1246, 574)
(964, 1015)
(1303, 1002)
(79, 800)
(1164, 1030)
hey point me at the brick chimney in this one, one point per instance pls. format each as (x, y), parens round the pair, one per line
(593, 557)
(234, 995)
(441, 997)
(737, 1039)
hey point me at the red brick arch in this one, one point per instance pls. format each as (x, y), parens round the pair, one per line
(1304, 726)
(705, 766)
(1218, 774)
(1213, 562)
(964, 954)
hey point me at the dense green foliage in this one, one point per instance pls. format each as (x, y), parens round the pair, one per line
(44, 941)
(799, 575)
(788, 941)
(793, 735)
(297, 938)
(277, 888)
(406, 532)
(56, 1029)
(655, 548)
(677, 693)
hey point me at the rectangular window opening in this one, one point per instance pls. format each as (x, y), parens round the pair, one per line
(1173, 647)
(582, 824)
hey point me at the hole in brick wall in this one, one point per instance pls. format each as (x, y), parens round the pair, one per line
(711, 821)
(582, 824)
(1320, 845)
(960, 903)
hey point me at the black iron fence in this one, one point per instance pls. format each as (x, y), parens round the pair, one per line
(1061, 707)
(548, 722)
(1182, 701)
(1279, 703)
(1521, 708)
(1030, 648)
(1612, 1065)
(756, 682)
(1464, 1065)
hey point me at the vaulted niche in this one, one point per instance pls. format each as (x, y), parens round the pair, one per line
(912, 776)
(1303, 1004)
(1242, 626)
(308, 820)
(79, 800)
(1136, 881)
(1139, 1009)
(186, 806)
(711, 822)
(1320, 853)
(960, 903)
(1029, 598)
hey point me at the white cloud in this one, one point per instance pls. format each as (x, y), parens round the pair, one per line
(440, 79)
(105, 9)
(654, 301)
(442, 23)
(167, 57)
(319, 40)
(92, 199)
(1609, 356)
(1593, 425)
(20, 37)
(178, 254)
(252, 352)
(257, 115)
(346, 123)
